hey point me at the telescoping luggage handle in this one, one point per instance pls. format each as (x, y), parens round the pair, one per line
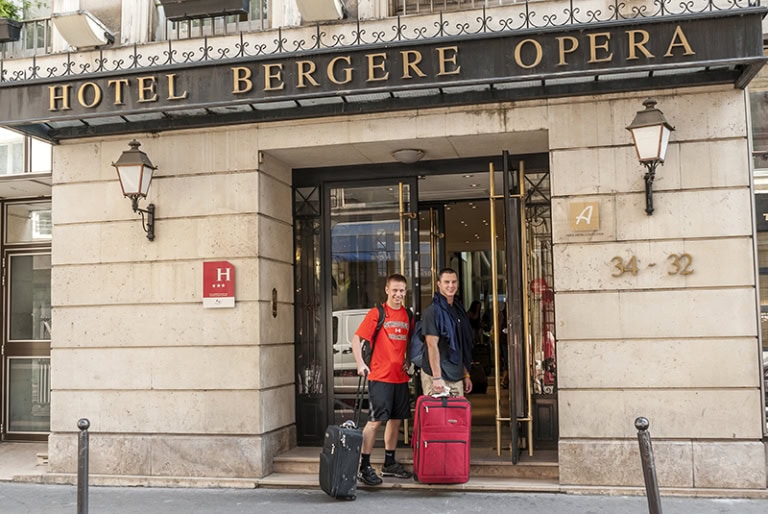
(355, 423)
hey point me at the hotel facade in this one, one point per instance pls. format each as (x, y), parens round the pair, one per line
(302, 151)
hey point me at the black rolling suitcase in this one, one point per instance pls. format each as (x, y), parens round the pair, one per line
(479, 379)
(340, 457)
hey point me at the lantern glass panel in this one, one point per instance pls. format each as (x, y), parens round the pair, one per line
(146, 180)
(665, 133)
(647, 142)
(130, 178)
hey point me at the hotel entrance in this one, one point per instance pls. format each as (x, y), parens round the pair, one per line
(350, 235)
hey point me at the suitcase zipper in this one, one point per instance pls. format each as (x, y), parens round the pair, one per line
(426, 443)
(426, 407)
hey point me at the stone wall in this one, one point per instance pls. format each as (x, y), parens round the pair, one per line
(166, 383)
(680, 349)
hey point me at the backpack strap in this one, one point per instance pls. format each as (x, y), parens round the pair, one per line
(379, 324)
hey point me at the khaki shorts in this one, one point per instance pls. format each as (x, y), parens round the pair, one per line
(455, 388)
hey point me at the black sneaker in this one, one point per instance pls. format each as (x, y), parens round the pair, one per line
(368, 476)
(395, 470)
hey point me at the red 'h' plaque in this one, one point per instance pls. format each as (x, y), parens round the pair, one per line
(218, 284)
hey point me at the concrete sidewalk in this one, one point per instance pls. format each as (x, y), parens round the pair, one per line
(22, 459)
(18, 498)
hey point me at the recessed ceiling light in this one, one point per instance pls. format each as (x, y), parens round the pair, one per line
(474, 185)
(408, 155)
(467, 176)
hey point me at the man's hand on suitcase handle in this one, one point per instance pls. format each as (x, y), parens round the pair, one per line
(438, 387)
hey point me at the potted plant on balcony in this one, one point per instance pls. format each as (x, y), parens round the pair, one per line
(10, 20)
(176, 10)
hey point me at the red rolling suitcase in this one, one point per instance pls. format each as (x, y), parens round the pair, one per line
(441, 440)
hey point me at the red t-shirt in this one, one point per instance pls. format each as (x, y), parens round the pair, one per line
(390, 344)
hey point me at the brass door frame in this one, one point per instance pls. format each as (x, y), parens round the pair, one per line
(403, 217)
(514, 333)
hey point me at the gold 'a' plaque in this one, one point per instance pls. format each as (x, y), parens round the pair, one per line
(584, 216)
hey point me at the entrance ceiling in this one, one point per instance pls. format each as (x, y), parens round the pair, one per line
(26, 185)
(436, 148)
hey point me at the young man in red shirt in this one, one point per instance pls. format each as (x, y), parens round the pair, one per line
(388, 395)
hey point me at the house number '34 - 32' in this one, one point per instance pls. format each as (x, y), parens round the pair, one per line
(679, 264)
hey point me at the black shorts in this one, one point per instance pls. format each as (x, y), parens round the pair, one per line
(388, 401)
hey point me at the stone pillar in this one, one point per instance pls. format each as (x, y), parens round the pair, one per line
(656, 315)
(172, 389)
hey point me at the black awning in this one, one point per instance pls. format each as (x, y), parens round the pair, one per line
(449, 70)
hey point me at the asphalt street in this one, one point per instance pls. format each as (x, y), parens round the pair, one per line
(16, 498)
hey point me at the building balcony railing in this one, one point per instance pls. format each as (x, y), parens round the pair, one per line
(417, 19)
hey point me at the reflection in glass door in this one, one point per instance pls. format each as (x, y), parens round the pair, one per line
(370, 238)
(26, 365)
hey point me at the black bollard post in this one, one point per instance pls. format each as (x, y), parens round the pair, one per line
(649, 467)
(82, 467)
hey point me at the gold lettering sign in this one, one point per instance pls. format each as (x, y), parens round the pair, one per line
(382, 67)
(242, 82)
(273, 77)
(147, 91)
(448, 55)
(347, 71)
(118, 86)
(679, 39)
(59, 95)
(411, 60)
(89, 89)
(305, 69)
(574, 45)
(172, 89)
(635, 45)
(519, 50)
(377, 62)
(594, 46)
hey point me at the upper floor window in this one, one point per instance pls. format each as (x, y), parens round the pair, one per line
(23, 154)
(255, 19)
(35, 36)
(403, 7)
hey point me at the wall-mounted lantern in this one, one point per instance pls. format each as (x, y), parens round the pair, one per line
(134, 169)
(650, 135)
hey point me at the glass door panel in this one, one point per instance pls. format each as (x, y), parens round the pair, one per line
(30, 297)
(370, 238)
(29, 395)
(26, 366)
